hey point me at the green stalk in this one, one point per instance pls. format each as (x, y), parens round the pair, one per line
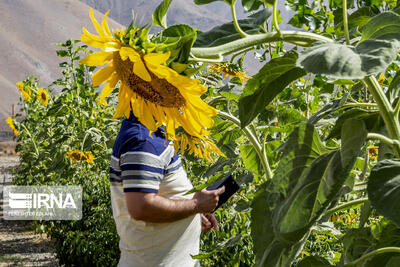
(253, 140)
(386, 111)
(235, 21)
(33, 139)
(390, 142)
(361, 105)
(346, 205)
(373, 253)
(256, 39)
(345, 23)
(274, 17)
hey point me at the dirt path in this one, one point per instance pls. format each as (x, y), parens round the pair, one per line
(19, 244)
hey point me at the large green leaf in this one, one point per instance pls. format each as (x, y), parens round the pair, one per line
(179, 39)
(261, 223)
(384, 189)
(204, 2)
(251, 159)
(357, 19)
(371, 119)
(226, 33)
(385, 26)
(393, 91)
(318, 185)
(160, 14)
(313, 261)
(267, 84)
(355, 243)
(339, 61)
(250, 5)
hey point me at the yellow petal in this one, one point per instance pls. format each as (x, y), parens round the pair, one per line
(126, 52)
(156, 58)
(104, 24)
(140, 70)
(123, 101)
(97, 59)
(103, 74)
(96, 24)
(108, 88)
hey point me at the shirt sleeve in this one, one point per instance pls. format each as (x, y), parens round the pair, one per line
(141, 168)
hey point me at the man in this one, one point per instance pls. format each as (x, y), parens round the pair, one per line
(157, 223)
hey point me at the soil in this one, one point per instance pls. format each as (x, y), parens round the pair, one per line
(20, 245)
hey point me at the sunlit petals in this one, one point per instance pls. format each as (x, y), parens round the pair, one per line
(103, 74)
(99, 29)
(108, 88)
(97, 59)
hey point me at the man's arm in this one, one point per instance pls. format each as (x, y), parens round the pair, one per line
(151, 207)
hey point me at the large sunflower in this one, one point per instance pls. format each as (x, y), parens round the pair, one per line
(157, 94)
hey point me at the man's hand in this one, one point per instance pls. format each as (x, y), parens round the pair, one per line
(208, 221)
(207, 201)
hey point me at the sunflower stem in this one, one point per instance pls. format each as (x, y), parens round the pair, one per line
(345, 206)
(275, 17)
(345, 23)
(373, 253)
(256, 39)
(253, 140)
(235, 21)
(33, 140)
(387, 140)
(386, 111)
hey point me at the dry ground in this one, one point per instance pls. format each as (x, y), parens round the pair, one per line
(19, 244)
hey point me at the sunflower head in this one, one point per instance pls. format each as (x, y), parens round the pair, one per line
(43, 96)
(75, 155)
(11, 124)
(156, 93)
(25, 91)
(230, 70)
(89, 158)
(373, 151)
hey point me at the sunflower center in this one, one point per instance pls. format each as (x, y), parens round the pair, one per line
(43, 95)
(158, 91)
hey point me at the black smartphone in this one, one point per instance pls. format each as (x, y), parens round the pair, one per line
(231, 187)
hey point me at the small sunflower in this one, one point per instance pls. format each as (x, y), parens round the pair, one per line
(230, 70)
(10, 123)
(156, 94)
(43, 96)
(75, 155)
(381, 79)
(373, 151)
(25, 93)
(89, 158)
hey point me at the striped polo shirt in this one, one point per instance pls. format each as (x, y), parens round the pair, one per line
(141, 162)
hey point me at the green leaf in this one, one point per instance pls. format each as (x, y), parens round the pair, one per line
(317, 185)
(384, 189)
(267, 84)
(357, 19)
(179, 39)
(160, 14)
(226, 33)
(204, 2)
(339, 61)
(313, 261)
(251, 159)
(356, 242)
(393, 91)
(384, 26)
(371, 118)
(251, 5)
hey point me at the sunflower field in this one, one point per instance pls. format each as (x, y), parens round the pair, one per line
(313, 137)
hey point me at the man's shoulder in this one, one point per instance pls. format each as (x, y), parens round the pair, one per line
(134, 137)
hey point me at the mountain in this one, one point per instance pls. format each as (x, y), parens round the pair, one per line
(29, 30)
(181, 11)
